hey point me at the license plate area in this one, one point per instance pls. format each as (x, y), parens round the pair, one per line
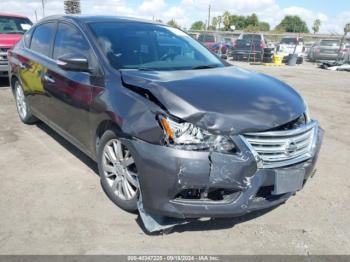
(288, 180)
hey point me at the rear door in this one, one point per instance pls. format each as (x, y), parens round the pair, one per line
(70, 92)
(34, 63)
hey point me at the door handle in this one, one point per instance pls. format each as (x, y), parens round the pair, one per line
(49, 79)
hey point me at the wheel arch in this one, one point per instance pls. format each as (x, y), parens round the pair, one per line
(102, 127)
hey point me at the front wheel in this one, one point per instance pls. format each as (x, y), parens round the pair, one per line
(23, 109)
(118, 172)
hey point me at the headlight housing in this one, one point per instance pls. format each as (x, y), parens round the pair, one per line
(307, 113)
(186, 136)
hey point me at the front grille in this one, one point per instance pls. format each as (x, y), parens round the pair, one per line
(282, 148)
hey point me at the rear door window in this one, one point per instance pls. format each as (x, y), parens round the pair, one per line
(206, 38)
(69, 40)
(330, 43)
(42, 38)
(251, 37)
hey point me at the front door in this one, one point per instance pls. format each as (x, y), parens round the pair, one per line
(70, 92)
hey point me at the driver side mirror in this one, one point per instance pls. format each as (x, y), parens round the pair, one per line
(73, 62)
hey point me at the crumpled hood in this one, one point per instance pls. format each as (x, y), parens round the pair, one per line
(9, 40)
(227, 100)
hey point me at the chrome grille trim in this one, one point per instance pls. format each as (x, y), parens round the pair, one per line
(282, 148)
(3, 55)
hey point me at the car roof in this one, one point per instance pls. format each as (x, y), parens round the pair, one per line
(12, 15)
(98, 18)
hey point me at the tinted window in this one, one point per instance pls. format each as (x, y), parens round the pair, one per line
(206, 38)
(250, 37)
(27, 37)
(69, 40)
(42, 38)
(150, 47)
(289, 41)
(14, 25)
(330, 42)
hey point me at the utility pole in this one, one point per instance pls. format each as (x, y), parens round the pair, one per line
(208, 17)
(43, 6)
(36, 16)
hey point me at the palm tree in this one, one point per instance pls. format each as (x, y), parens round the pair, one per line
(316, 26)
(72, 7)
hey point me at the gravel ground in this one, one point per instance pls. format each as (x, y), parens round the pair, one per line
(51, 201)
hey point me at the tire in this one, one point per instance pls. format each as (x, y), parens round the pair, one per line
(300, 60)
(114, 172)
(22, 106)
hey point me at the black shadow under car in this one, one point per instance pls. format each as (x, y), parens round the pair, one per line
(175, 131)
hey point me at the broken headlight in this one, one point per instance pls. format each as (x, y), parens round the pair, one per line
(186, 136)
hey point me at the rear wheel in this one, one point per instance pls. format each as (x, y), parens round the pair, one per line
(118, 171)
(300, 60)
(23, 109)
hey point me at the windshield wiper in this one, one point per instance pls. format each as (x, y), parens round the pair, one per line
(146, 69)
(204, 67)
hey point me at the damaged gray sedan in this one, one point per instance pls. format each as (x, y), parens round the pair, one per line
(176, 132)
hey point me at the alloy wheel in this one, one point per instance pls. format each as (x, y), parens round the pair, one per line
(20, 102)
(120, 170)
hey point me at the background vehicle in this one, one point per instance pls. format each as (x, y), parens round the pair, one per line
(249, 46)
(221, 141)
(327, 49)
(347, 52)
(12, 28)
(223, 47)
(193, 35)
(207, 39)
(291, 45)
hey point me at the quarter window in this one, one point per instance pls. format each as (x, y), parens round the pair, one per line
(70, 41)
(42, 38)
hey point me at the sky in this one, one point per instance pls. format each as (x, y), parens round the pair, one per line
(333, 14)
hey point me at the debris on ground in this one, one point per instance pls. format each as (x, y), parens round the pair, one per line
(335, 65)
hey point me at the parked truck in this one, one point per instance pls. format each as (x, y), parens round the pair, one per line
(249, 46)
(12, 27)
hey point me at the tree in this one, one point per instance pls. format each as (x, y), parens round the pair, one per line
(214, 23)
(316, 26)
(293, 24)
(173, 23)
(347, 28)
(72, 7)
(251, 20)
(219, 20)
(264, 26)
(226, 19)
(238, 21)
(198, 25)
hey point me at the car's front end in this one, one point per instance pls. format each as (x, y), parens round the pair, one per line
(12, 28)
(254, 154)
(3, 61)
(263, 169)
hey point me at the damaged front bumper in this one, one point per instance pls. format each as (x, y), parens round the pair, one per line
(191, 184)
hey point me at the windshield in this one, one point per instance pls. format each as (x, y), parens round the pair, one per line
(206, 38)
(151, 47)
(14, 25)
(250, 37)
(289, 41)
(330, 43)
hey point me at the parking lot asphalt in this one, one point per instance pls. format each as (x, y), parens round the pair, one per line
(51, 201)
